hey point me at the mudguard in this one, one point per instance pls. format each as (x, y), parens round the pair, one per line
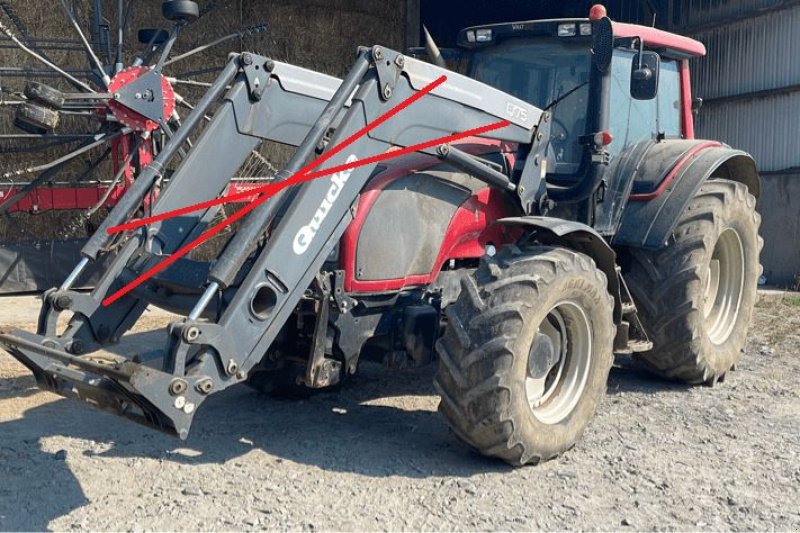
(581, 238)
(666, 181)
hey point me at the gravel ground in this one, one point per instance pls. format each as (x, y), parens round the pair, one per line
(376, 456)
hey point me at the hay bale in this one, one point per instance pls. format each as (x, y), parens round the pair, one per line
(317, 34)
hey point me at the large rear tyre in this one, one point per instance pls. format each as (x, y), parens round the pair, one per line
(696, 295)
(526, 353)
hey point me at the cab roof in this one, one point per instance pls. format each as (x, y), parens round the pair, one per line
(670, 44)
(655, 38)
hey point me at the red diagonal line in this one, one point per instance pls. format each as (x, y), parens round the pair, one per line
(307, 168)
(294, 180)
(287, 183)
(372, 125)
(170, 259)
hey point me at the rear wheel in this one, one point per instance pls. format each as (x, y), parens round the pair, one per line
(696, 295)
(525, 357)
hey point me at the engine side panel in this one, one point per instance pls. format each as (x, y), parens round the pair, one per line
(406, 225)
(409, 223)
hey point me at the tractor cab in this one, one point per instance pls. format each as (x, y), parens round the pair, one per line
(557, 66)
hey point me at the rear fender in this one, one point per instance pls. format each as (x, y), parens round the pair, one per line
(649, 218)
(578, 237)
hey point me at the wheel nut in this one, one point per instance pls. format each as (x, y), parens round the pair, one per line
(177, 387)
(400, 61)
(387, 92)
(63, 302)
(191, 334)
(232, 367)
(180, 401)
(204, 386)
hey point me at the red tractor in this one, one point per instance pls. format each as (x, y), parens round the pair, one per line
(587, 222)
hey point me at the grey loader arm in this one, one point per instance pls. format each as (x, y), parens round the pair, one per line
(254, 288)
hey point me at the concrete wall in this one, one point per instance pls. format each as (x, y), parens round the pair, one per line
(780, 226)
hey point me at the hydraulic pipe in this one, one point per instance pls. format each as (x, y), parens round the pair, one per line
(472, 166)
(203, 302)
(73, 277)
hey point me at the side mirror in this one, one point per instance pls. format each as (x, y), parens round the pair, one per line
(644, 75)
(697, 103)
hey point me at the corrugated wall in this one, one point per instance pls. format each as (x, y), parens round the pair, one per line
(767, 127)
(750, 82)
(693, 13)
(753, 54)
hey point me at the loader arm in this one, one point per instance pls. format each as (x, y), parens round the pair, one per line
(254, 291)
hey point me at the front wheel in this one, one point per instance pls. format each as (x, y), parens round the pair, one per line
(525, 357)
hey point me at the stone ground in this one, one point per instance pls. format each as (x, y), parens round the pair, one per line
(376, 456)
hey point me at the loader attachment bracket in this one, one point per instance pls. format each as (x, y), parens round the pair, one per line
(388, 64)
(134, 391)
(256, 73)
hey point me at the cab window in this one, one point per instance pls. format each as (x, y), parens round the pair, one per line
(633, 121)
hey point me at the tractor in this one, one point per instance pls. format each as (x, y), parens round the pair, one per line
(587, 222)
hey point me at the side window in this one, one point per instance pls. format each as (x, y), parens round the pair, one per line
(633, 121)
(669, 99)
(630, 121)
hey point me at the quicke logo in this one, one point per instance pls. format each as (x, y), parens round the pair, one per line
(306, 234)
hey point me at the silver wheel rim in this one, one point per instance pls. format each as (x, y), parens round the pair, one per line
(554, 395)
(724, 284)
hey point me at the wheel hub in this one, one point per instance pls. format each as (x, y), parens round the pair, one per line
(143, 99)
(724, 286)
(543, 356)
(559, 362)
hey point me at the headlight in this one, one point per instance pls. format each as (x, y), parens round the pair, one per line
(483, 36)
(566, 30)
(586, 29)
(471, 36)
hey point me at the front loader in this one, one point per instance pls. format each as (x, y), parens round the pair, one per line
(523, 257)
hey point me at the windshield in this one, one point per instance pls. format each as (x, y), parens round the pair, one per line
(540, 71)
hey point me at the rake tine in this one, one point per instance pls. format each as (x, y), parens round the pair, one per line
(241, 33)
(89, 49)
(8, 33)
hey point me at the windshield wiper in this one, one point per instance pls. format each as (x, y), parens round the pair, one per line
(563, 96)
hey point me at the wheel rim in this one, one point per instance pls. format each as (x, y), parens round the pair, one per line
(563, 342)
(724, 284)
